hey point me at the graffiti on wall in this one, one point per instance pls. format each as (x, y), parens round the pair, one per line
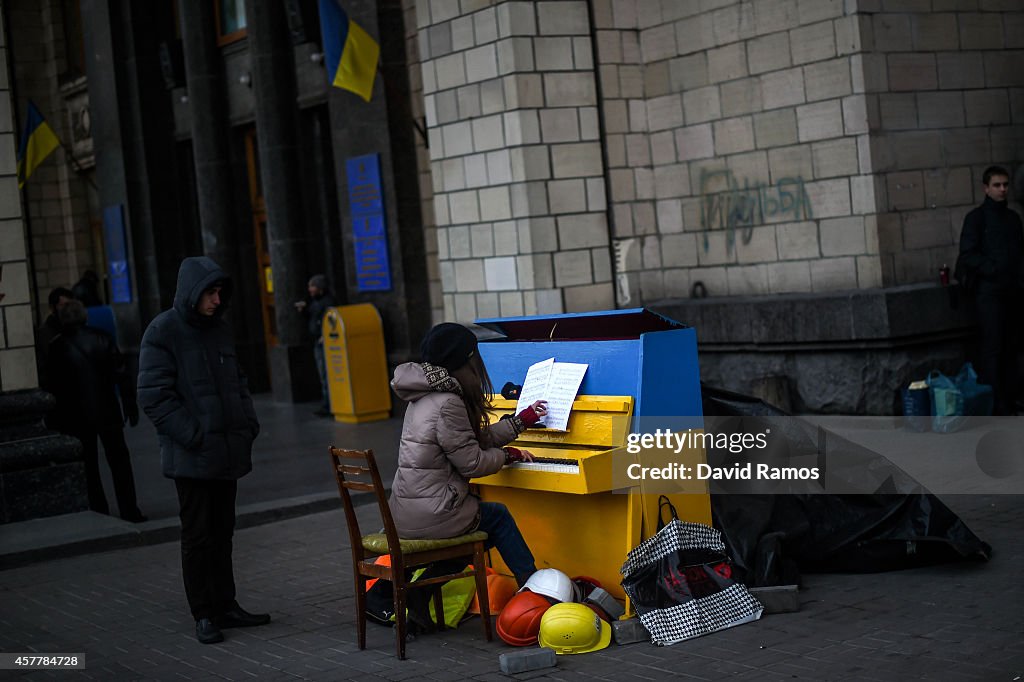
(728, 205)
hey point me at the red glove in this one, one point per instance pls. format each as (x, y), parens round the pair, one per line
(513, 454)
(534, 413)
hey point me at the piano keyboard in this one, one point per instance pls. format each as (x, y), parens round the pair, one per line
(549, 464)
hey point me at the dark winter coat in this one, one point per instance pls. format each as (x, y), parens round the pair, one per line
(991, 249)
(83, 368)
(315, 311)
(191, 386)
(438, 455)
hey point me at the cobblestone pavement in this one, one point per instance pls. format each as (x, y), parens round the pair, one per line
(126, 611)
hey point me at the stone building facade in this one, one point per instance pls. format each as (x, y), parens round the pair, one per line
(787, 176)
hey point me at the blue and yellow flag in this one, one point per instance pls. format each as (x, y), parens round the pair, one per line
(350, 54)
(37, 142)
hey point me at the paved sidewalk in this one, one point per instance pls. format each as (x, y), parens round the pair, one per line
(125, 610)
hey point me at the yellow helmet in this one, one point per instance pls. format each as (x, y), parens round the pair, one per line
(573, 629)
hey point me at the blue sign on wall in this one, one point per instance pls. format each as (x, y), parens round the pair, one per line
(117, 254)
(369, 233)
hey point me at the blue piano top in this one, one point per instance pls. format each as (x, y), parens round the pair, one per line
(593, 326)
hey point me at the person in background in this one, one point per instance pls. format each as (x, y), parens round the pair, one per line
(990, 268)
(192, 388)
(87, 289)
(314, 308)
(447, 440)
(85, 371)
(50, 327)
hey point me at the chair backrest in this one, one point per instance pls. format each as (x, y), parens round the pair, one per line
(363, 477)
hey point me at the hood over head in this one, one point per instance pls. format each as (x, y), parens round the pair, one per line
(413, 380)
(195, 275)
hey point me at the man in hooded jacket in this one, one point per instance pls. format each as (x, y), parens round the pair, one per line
(192, 388)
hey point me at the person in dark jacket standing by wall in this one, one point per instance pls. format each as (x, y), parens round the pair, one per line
(191, 387)
(320, 299)
(84, 367)
(990, 265)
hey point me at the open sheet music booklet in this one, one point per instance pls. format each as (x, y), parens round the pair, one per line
(555, 382)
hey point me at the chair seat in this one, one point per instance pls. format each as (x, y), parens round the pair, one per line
(378, 542)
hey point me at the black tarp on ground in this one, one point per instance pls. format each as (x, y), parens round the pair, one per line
(772, 537)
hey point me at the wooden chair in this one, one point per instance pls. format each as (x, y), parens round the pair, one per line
(405, 554)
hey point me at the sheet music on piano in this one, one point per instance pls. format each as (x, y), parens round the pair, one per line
(555, 382)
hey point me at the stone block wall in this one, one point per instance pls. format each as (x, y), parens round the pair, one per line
(510, 94)
(17, 341)
(945, 98)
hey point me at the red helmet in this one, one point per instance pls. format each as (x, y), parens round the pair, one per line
(519, 621)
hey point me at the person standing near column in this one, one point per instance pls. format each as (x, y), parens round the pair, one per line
(320, 299)
(192, 388)
(989, 267)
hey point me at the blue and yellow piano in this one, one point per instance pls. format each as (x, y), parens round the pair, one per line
(575, 515)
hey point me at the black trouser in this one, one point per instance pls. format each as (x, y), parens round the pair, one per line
(997, 356)
(120, 463)
(207, 525)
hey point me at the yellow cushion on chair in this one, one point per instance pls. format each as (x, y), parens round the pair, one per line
(378, 542)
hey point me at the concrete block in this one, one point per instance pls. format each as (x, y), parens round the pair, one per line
(525, 660)
(658, 43)
(596, 196)
(905, 190)
(853, 34)
(702, 105)
(870, 72)
(958, 70)
(819, 121)
(828, 79)
(583, 230)
(811, 11)
(663, 148)
(694, 34)
(775, 15)
(775, 128)
(451, 174)
(741, 97)
(488, 133)
(923, 149)
(583, 53)
(638, 150)
(447, 105)
(637, 115)
(665, 112)
(576, 160)
(485, 25)
(831, 274)
(438, 41)
(495, 203)
(481, 63)
(1002, 70)
(451, 71)
(499, 167)
(834, 157)
(688, 73)
(778, 599)
(468, 100)
(734, 135)
(510, 303)
(926, 229)
(787, 277)
(747, 280)
(644, 222)
(552, 54)
(559, 125)
(912, 72)
(572, 268)
(529, 199)
(481, 240)
(727, 63)
(672, 181)
(589, 128)
(695, 142)
(464, 207)
(567, 196)
(981, 30)
(829, 198)
(522, 127)
(475, 170)
(462, 33)
(769, 53)
(864, 194)
(469, 275)
(782, 88)
(797, 241)
(842, 236)
(934, 31)
(940, 109)
(516, 19)
(601, 260)
(563, 18)
(987, 107)
(891, 31)
(631, 81)
(733, 22)
(761, 247)
(751, 167)
(506, 238)
(590, 297)
(860, 114)
(514, 55)
(812, 43)
(500, 274)
(898, 111)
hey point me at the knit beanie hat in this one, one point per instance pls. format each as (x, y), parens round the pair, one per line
(448, 345)
(318, 281)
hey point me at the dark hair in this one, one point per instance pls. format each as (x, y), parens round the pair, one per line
(986, 177)
(72, 314)
(56, 294)
(476, 394)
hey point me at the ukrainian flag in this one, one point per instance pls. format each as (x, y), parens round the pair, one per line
(36, 143)
(350, 54)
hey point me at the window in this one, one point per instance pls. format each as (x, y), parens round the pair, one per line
(230, 20)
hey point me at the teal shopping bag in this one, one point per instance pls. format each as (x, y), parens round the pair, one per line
(947, 403)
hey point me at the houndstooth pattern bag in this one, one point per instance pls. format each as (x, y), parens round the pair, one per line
(680, 582)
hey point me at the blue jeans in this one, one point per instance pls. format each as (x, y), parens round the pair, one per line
(503, 534)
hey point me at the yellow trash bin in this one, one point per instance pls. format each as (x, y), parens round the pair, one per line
(357, 368)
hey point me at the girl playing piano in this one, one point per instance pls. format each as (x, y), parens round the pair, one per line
(446, 440)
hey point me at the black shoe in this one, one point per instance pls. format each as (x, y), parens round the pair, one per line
(137, 517)
(207, 632)
(240, 618)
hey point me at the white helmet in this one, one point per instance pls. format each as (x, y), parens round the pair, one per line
(552, 583)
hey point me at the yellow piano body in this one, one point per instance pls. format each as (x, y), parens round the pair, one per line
(571, 516)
